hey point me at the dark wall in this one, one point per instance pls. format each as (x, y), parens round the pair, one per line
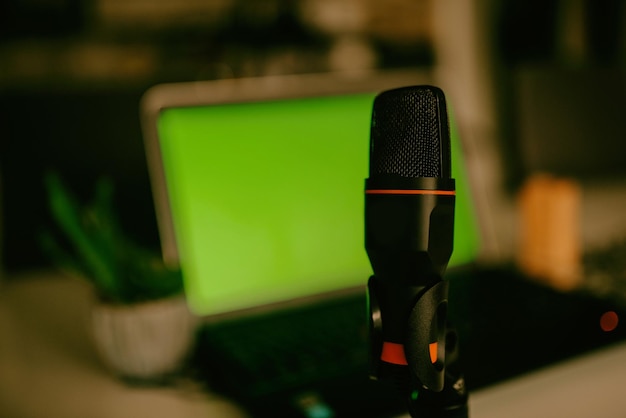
(83, 134)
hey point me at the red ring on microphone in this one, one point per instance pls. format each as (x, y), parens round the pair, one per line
(412, 192)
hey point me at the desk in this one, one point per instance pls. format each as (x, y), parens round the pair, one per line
(48, 368)
(589, 386)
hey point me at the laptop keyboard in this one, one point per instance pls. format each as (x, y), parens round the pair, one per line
(289, 350)
(266, 360)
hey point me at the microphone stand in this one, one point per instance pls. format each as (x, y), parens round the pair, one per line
(426, 367)
(452, 401)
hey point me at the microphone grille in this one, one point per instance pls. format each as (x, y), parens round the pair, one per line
(410, 134)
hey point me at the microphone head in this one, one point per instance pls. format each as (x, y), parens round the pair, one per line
(410, 136)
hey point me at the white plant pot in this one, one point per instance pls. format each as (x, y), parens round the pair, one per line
(145, 341)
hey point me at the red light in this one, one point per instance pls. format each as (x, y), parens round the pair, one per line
(609, 321)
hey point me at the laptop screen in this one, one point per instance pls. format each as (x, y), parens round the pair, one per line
(266, 198)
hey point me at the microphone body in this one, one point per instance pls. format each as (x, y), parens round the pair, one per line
(409, 234)
(409, 237)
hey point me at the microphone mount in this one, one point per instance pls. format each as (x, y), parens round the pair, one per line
(409, 231)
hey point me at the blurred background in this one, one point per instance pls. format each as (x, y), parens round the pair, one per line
(537, 86)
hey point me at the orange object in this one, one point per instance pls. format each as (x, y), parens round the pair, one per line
(550, 239)
(393, 353)
(433, 348)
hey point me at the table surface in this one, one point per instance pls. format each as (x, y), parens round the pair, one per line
(49, 368)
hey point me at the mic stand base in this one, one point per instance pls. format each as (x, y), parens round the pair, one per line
(452, 401)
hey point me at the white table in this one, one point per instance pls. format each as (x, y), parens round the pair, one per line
(49, 368)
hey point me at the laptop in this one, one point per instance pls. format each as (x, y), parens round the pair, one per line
(258, 186)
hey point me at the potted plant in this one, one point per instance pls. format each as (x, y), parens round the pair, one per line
(142, 327)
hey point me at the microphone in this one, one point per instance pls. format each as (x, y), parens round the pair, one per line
(409, 231)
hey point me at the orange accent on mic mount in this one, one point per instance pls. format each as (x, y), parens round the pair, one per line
(393, 353)
(433, 349)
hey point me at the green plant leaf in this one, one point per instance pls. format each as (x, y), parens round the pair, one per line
(65, 211)
(121, 270)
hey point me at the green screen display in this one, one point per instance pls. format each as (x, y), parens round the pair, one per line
(267, 198)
